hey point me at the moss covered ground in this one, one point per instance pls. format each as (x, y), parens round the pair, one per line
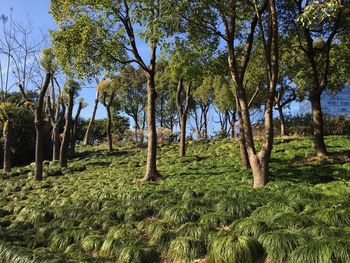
(205, 209)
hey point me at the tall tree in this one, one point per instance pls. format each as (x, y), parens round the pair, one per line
(132, 97)
(49, 65)
(56, 111)
(183, 109)
(108, 89)
(315, 26)
(81, 105)
(87, 135)
(238, 17)
(115, 21)
(71, 88)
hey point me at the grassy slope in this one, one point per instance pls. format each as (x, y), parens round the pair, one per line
(205, 208)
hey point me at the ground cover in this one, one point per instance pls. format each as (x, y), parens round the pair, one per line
(205, 209)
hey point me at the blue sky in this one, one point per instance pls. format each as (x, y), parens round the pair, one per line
(38, 12)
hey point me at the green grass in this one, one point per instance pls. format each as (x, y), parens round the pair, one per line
(205, 209)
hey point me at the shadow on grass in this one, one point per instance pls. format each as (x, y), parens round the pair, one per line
(309, 170)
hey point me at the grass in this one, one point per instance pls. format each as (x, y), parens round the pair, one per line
(204, 210)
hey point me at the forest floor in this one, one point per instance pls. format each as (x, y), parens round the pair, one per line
(205, 209)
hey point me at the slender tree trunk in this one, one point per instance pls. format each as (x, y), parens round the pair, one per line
(109, 128)
(91, 122)
(67, 131)
(284, 131)
(74, 128)
(56, 142)
(39, 128)
(137, 127)
(151, 166)
(55, 119)
(318, 130)
(205, 119)
(182, 137)
(183, 112)
(39, 148)
(161, 113)
(7, 146)
(233, 124)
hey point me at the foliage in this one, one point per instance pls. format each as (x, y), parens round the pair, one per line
(204, 209)
(23, 136)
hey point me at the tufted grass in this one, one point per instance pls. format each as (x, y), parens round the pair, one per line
(205, 209)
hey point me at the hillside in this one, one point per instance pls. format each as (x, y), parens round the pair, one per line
(205, 209)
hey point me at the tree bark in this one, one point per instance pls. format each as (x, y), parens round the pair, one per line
(259, 161)
(283, 127)
(109, 128)
(75, 127)
(7, 133)
(242, 143)
(67, 131)
(233, 124)
(39, 128)
(91, 122)
(151, 166)
(56, 119)
(318, 129)
(56, 142)
(183, 113)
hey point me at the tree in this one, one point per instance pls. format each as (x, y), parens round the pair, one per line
(224, 102)
(284, 96)
(203, 96)
(49, 65)
(107, 89)
(247, 15)
(132, 97)
(115, 22)
(56, 116)
(185, 67)
(87, 136)
(7, 112)
(315, 27)
(81, 105)
(183, 109)
(71, 88)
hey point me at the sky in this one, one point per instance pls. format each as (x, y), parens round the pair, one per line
(38, 12)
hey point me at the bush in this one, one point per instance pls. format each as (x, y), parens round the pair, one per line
(98, 135)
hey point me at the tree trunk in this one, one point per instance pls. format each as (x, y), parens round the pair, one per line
(91, 122)
(259, 161)
(39, 148)
(75, 127)
(56, 142)
(317, 120)
(151, 166)
(233, 124)
(284, 131)
(7, 146)
(242, 143)
(39, 128)
(67, 131)
(183, 112)
(109, 128)
(205, 119)
(183, 137)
